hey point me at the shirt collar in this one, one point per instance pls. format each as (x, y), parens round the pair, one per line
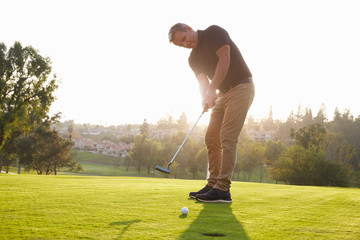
(200, 37)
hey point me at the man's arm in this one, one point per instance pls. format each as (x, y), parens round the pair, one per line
(203, 86)
(223, 53)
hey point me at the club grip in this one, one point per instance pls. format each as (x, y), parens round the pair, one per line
(206, 108)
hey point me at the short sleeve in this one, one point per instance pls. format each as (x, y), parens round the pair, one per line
(219, 37)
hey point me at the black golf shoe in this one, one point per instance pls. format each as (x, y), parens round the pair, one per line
(203, 190)
(215, 195)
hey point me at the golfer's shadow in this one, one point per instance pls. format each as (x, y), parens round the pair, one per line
(126, 225)
(215, 220)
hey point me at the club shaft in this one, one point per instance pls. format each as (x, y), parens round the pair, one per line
(185, 140)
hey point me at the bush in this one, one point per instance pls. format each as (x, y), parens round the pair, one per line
(334, 174)
(301, 166)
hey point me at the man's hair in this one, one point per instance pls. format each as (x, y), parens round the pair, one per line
(176, 27)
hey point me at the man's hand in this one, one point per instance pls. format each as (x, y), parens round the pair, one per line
(210, 98)
(208, 90)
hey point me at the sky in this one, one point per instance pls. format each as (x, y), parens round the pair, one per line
(116, 66)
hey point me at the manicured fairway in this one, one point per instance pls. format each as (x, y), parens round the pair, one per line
(83, 207)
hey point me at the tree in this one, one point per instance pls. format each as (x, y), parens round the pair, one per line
(284, 130)
(46, 152)
(167, 151)
(343, 122)
(312, 136)
(8, 152)
(299, 117)
(60, 150)
(201, 159)
(25, 149)
(25, 91)
(137, 153)
(197, 160)
(321, 115)
(7, 157)
(151, 153)
(295, 165)
(145, 152)
(185, 159)
(166, 124)
(183, 156)
(144, 128)
(273, 151)
(269, 124)
(339, 150)
(251, 155)
(335, 145)
(313, 160)
(308, 117)
(349, 127)
(127, 163)
(301, 166)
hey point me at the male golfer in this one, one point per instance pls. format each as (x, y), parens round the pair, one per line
(226, 86)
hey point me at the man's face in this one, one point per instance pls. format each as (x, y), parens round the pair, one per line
(186, 39)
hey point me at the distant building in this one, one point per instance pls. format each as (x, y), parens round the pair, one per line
(261, 136)
(105, 147)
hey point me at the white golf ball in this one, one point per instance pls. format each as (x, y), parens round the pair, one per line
(185, 210)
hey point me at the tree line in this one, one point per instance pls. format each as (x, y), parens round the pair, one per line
(303, 150)
(26, 94)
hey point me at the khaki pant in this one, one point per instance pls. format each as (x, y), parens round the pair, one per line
(226, 121)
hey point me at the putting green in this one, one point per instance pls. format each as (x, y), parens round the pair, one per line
(82, 207)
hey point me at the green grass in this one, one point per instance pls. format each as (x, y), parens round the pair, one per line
(89, 207)
(102, 165)
(82, 156)
(107, 170)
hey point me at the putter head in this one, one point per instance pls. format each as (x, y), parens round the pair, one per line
(162, 169)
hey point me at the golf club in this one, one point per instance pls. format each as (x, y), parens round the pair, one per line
(167, 170)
